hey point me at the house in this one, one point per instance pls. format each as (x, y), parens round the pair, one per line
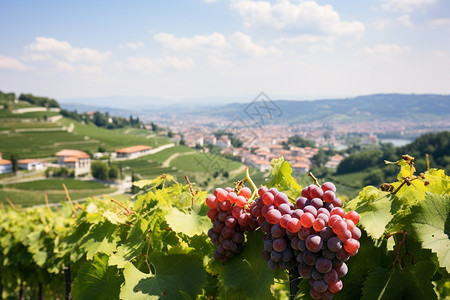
(31, 164)
(5, 165)
(334, 161)
(133, 151)
(74, 159)
(300, 167)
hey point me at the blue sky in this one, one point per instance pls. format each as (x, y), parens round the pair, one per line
(210, 49)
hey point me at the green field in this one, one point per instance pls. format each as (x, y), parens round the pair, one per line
(8, 125)
(29, 115)
(56, 184)
(166, 153)
(32, 192)
(116, 138)
(43, 143)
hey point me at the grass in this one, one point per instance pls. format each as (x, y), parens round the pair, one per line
(12, 125)
(166, 153)
(56, 184)
(29, 198)
(200, 162)
(28, 115)
(114, 139)
(43, 143)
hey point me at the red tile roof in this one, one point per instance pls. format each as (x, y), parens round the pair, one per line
(29, 161)
(74, 153)
(5, 162)
(133, 149)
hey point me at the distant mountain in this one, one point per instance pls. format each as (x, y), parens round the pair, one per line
(378, 107)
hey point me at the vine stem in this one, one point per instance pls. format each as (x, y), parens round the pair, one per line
(128, 212)
(316, 182)
(249, 179)
(146, 256)
(428, 161)
(191, 190)
(68, 198)
(48, 205)
(11, 203)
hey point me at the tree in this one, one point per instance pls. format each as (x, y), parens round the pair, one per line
(13, 159)
(99, 170)
(113, 172)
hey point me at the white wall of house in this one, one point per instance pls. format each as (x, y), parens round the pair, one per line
(4, 169)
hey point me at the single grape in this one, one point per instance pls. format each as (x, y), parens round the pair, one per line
(314, 243)
(314, 294)
(350, 224)
(311, 209)
(341, 270)
(221, 194)
(317, 203)
(319, 224)
(293, 225)
(323, 216)
(303, 233)
(309, 258)
(272, 265)
(342, 255)
(323, 265)
(328, 186)
(268, 198)
(315, 192)
(329, 196)
(356, 233)
(297, 213)
(316, 275)
(300, 202)
(217, 226)
(266, 226)
(334, 244)
(284, 208)
(288, 255)
(305, 193)
(320, 286)
(337, 202)
(276, 256)
(327, 253)
(333, 219)
(294, 242)
(227, 232)
(244, 219)
(277, 231)
(301, 245)
(339, 227)
(273, 216)
(212, 212)
(240, 201)
(262, 190)
(351, 245)
(265, 209)
(268, 245)
(331, 276)
(227, 244)
(335, 287)
(236, 211)
(280, 198)
(326, 234)
(352, 215)
(230, 221)
(305, 271)
(212, 201)
(338, 211)
(245, 192)
(345, 235)
(279, 244)
(238, 238)
(307, 220)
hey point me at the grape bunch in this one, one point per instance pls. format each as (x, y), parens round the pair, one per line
(231, 218)
(316, 236)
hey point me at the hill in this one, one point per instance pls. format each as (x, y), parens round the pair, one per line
(378, 107)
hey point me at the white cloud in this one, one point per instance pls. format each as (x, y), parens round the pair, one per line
(134, 45)
(243, 43)
(405, 20)
(63, 50)
(11, 63)
(307, 43)
(444, 22)
(144, 63)
(405, 5)
(218, 61)
(305, 16)
(63, 66)
(210, 1)
(439, 53)
(197, 42)
(381, 24)
(385, 49)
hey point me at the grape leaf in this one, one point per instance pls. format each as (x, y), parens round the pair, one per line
(97, 280)
(376, 209)
(176, 276)
(406, 283)
(247, 274)
(406, 169)
(102, 237)
(192, 222)
(430, 222)
(281, 178)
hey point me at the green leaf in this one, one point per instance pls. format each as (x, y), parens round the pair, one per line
(192, 222)
(406, 169)
(376, 209)
(281, 178)
(429, 221)
(413, 282)
(97, 280)
(247, 276)
(176, 276)
(102, 237)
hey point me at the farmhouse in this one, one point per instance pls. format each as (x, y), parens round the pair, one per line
(31, 164)
(75, 159)
(133, 151)
(5, 165)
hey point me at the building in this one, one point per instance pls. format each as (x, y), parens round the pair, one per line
(31, 164)
(133, 151)
(74, 159)
(5, 165)
(334, 161)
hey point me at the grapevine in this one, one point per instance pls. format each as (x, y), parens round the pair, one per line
(389, 243)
